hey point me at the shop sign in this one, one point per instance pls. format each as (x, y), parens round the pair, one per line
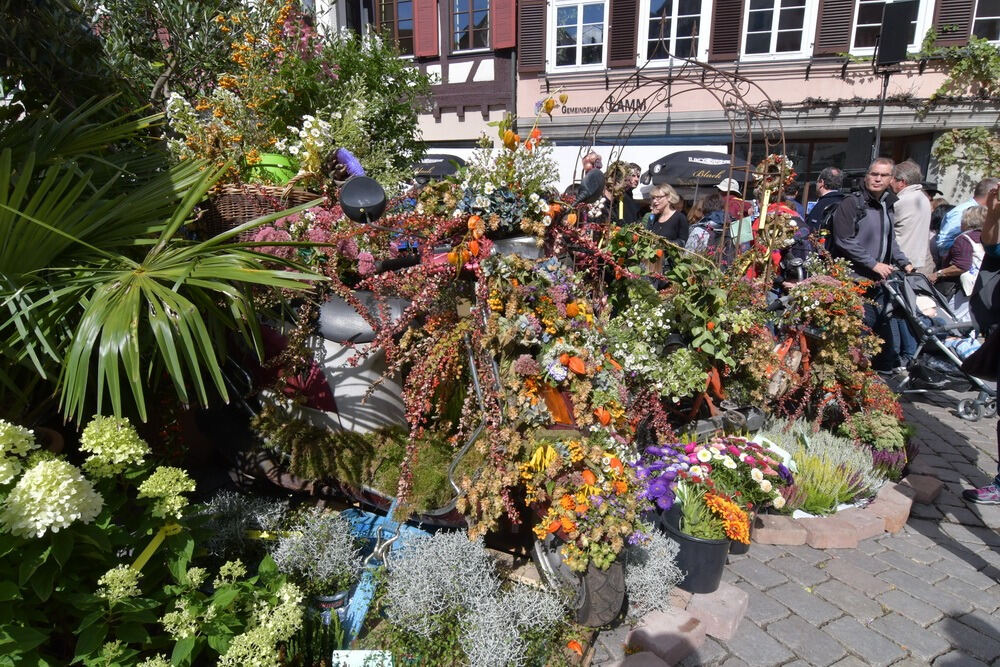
(621, 105)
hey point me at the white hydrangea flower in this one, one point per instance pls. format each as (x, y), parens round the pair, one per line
(165, 486)
(9, 469)
(49, 497)
(119, 583)
(113, 445)
(16, 440)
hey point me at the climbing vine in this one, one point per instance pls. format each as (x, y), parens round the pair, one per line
(973, 71)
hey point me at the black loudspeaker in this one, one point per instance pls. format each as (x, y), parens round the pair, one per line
(860, 141)
(895, 35)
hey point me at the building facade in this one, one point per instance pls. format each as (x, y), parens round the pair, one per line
(810, 58)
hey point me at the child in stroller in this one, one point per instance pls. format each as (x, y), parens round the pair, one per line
(942, 342)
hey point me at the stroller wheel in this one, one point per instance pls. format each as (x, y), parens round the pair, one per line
(990, 408)
(971, 410)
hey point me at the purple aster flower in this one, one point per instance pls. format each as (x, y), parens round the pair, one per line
(346, 158)
(785, 474)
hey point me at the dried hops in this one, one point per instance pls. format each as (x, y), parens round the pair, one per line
(49, 497)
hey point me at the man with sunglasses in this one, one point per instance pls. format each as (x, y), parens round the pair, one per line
(863, 235)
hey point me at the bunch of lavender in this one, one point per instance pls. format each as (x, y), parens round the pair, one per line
(320, 551)
(651, 572)
(231, 515)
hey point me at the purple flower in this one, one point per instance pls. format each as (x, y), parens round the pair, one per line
(346, 158)
(785, 474)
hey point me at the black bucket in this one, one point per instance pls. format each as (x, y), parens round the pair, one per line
(701, 560)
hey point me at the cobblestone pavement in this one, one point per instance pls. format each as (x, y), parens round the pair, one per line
(928, 595)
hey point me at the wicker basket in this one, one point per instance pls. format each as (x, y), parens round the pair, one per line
(234, 205)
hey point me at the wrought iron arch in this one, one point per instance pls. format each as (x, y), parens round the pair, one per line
(751, 114)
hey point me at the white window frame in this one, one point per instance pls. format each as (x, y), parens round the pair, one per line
(973, 27)
(704, 35)
(809, 20)
(451, 29)
(925, 18)
(551, 38)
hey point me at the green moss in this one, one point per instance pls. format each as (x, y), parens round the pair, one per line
(369, 459)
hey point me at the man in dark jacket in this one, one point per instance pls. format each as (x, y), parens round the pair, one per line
(863, 234)
(862, 227)
(828, 185)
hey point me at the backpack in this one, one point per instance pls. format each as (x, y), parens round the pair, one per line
(968, 279)
(825, 230)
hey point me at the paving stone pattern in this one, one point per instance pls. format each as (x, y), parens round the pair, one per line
(928, 595)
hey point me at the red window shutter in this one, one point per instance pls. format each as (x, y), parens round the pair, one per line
(953, 22)
(622, 33)
(425, 28)
(503, 24)
(833, 29)
(727, 31)
(531, 36)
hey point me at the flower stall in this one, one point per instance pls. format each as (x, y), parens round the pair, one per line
(462, 377)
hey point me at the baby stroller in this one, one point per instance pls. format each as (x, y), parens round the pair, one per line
(942, 343)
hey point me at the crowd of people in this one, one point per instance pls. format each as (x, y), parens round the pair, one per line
(894, 221)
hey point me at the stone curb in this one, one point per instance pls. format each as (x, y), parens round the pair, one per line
(888, 512)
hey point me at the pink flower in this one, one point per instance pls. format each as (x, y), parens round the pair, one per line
(348, 248)
(690, 447)
(317, 235)
(276, 236)
(733, 450)
(366, 263)
(750, 461)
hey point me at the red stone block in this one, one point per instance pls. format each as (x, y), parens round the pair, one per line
(644, 659)
(866, 524)
(679, 599)
(777, 529)
(671, 635)
(720, 612)
(893, 504)
(829, 532)
(925, 487)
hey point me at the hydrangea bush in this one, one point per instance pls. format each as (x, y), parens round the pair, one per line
(108, 581)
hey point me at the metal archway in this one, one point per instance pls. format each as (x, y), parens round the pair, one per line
(752, 115)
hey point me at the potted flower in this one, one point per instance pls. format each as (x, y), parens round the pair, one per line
(701, 513)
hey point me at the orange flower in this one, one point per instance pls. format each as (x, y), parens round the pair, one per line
(536, 134)
(564, 359)
(659, 252)
(554, 526)
(574, 646)
(527, 146)
(567, 502)
(589, 477)
(577, 365)
(570, 219)
(474, 221)
(620, 487)
(567, 524)
(572, 310)
(615, 464)
(710, 325)
(603, 416)
(474, 248)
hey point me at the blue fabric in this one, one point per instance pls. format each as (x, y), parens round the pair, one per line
(951, 226)
(992, 250)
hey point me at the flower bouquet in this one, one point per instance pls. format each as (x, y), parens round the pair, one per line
(586, 496)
